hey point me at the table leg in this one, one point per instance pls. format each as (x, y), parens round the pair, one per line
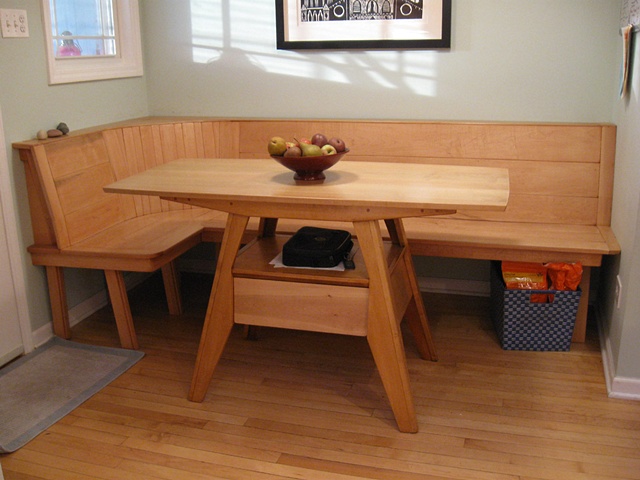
(266, 228)
(416, 313)
(383, 335)
(219, 318)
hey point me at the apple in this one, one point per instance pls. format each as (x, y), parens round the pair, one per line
(293, 152)
(319, 140)
(338, 144)
(292, 144)
(328, 149)
(304, 140)
(277, 146)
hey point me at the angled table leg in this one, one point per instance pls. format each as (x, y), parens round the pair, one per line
(219, 318)
(383, 331)
(416, 314)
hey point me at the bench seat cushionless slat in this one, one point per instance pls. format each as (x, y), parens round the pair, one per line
(522, 241)
(138, 244)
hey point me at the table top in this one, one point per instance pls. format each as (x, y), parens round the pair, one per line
(353, 190)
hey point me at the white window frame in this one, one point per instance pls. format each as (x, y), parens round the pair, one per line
(127, 62)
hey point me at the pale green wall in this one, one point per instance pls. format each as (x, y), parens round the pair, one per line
(30, 104)
(547, 60)
(624, 324)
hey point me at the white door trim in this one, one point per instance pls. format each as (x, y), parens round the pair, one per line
(13, 244)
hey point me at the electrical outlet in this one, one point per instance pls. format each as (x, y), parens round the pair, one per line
(618, 291)
(14, 23)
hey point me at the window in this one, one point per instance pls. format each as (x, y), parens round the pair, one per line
(92, 39)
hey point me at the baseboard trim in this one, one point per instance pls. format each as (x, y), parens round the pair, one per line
(452, 286)
(617, 387)
(86, 308)
(625, 388)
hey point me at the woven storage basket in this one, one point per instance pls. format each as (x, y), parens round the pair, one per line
(525, 325)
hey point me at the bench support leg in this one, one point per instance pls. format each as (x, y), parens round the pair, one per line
(580, 329)
(58, 299)
(121, 309)
(172, 288)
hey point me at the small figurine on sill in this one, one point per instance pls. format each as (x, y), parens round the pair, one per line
(69, 47)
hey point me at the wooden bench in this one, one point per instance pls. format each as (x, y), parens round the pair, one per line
(559, 209)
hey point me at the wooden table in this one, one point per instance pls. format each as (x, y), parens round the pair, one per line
(370, 301)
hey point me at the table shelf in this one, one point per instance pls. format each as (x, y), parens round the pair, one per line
(253, 262)
(308, 298)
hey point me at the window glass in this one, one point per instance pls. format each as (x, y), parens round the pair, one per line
(92, 39)
(83, 27)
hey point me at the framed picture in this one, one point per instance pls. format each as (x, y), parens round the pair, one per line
(363, 24)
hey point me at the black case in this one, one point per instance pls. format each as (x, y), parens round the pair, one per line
(316, 247)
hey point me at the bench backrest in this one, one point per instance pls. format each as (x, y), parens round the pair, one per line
(66, 175)
(559, 173)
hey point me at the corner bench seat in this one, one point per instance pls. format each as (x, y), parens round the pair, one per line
(141, 244)
(561, 183)
(531, 242)
(137, 244)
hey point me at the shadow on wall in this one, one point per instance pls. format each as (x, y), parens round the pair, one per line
(233, 33)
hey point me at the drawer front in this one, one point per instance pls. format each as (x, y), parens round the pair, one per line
(301, 306)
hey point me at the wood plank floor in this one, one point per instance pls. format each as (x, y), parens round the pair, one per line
(300, 405)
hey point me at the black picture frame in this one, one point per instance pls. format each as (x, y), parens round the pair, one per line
(436, 36)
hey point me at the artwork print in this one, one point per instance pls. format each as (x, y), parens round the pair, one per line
(341, 10)
(339, 24)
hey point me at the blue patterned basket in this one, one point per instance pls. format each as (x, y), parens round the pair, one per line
(525, 325)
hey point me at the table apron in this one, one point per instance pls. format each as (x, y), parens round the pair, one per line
(310, 211)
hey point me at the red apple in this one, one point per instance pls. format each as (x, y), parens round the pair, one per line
(338, 144)
(293, 152)
(319, 139)
(304, 140)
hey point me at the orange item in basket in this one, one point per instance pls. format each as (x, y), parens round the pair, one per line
(565, 276)
(526, 276)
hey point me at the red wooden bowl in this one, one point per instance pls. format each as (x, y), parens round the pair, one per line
(309, 169)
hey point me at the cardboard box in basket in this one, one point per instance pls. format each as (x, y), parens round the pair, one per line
(525, 325)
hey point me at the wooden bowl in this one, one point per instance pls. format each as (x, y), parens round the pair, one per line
(309, 169)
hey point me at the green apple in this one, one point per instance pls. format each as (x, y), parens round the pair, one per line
(328, 149)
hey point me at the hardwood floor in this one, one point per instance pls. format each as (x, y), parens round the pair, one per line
(310, 406)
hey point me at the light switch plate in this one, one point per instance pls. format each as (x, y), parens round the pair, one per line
(14, 23)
